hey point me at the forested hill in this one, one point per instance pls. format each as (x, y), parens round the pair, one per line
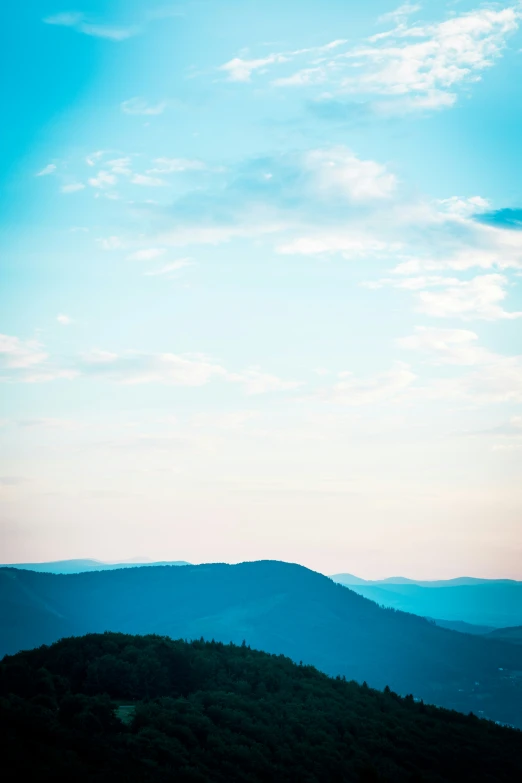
(114, 708)
(276, 607)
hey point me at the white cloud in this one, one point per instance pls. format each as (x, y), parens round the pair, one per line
(174, 165)
(147, 181)
(493, 378)
(464, 207)
(110, 243)
(20, 354)
(478, 298)
(400, 13)
(257, 382)
(168, 268)
(447, 346)
(102, 180)
(349, 243)
(147, 254)
(352, 390)
(338, 170)
(141, 106)
(239, 70)
(120, 166)
(78, 22)
(74, 187)
(409, 68)
(64, 320)
(49, 169)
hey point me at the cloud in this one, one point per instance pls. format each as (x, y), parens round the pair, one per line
(495, 378)
(77, 21)
(47, 423)
(147, 181)
(49, 169)
(142, 107)
(447, 346)
(74, 187)
(239, 70)
(132, 367)
(175, 165)
(399, 14)
(478, 298)
(27, 362)
(352, 390)
(102, 180)
(147, 254)
(20, 354)
(111, 243)
(120, 166)
(168, 268)
(257, 382)
(349, 243)
(64, 320)
(339, 171)
(409, 68)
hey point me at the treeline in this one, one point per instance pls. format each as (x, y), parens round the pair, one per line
(204, 711)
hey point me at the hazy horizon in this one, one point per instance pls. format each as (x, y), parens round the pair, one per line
(261, 284)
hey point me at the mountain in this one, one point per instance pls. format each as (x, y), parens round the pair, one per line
(513, 635)
(79, 566)
(497, 603)
(461, 627)
(277, 607)
(113, 708)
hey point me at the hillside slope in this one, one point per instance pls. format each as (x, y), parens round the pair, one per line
(277, 607)
(204, 712)
(479, 602)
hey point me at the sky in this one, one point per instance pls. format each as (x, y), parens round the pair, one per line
(261, 284)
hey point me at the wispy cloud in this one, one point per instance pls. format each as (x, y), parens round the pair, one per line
(175, 165)
(20, 354)
(410, 68)
(168, 268)
(73, 187)
(339, 171)
(147, 254)
(141, 106)
(49, 169)
(148, 181)
(81, 24)
(478, 298)
(64, 320)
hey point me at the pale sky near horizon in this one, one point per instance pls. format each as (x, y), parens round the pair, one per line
(261, 274)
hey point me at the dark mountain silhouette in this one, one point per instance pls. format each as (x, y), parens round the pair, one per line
(277, 607)
(492, 602)
(79, 566)
(461, 627)
(114, 708)
(513, 635)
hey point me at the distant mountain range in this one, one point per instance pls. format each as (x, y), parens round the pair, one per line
(80, 566)
(493, 603)
(276, 607)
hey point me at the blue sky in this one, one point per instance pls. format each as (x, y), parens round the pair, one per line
(261, 284)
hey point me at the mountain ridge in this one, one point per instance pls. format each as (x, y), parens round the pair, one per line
(277, 607)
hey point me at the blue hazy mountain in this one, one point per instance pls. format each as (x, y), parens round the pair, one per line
(481, 602)
(79, 566)
(276, 607)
